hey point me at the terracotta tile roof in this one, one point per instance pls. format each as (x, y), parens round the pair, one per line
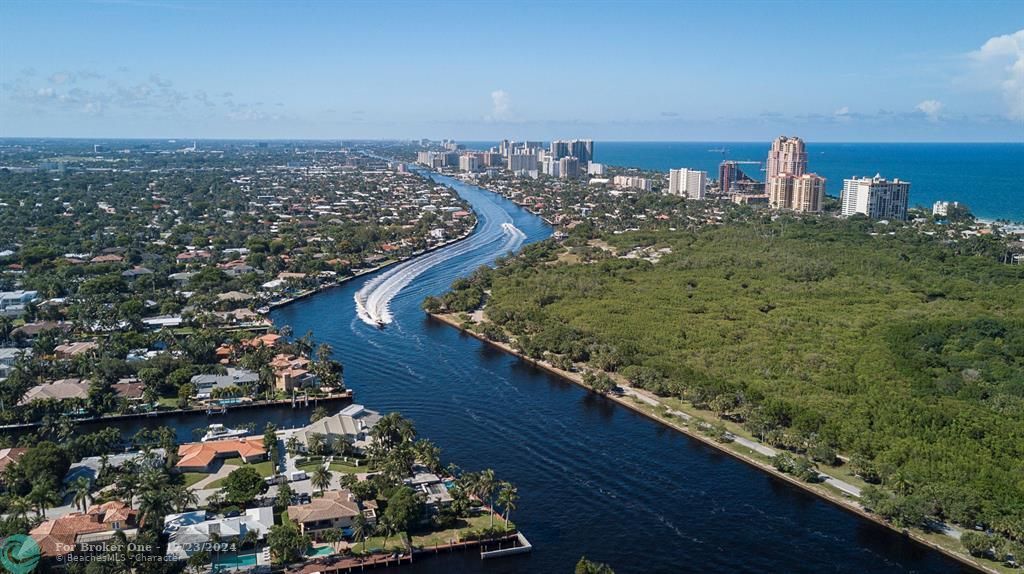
(76, 348)
(56, 536)
(283, 362)
(59, 390)
(332, 505)
(114, 511)
(9, 456)
(201, 454)
(129, 390)
(107, 259)
(269, 340)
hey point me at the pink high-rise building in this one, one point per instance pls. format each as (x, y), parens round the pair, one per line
(786, 156)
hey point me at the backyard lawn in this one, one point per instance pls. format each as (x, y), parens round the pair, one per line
(193, 477)
(440, 537)
(376, 544)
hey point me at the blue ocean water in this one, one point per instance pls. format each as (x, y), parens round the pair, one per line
(989, 178)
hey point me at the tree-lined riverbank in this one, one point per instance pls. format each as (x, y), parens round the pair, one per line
(831, 488)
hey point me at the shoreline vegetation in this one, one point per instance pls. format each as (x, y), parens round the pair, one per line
(368, 271)
(654, 320)
(657, 414)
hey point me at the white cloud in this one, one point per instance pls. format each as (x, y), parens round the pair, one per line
(501, 106)
(843, 111)
(1006, 54)
(930, 108)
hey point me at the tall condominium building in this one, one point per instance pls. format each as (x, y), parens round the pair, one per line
(550, 166)
(432, 159)
(582, 150)
(558, 149)
(730, 176)
(469, 162)
(876, 197)
(595, 168)
(568, 167)
(804, 193)
(941, 208)
(688, 183)
(491, 159)
(632, 182)
(787, 155)
(788, 184)
(520, 162)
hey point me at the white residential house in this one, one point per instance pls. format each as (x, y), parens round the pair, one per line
(188, 532)
(13, 303)
(354, 423)
(205, 384)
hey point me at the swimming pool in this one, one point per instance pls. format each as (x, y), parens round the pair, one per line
(319, 551)
(233, 562)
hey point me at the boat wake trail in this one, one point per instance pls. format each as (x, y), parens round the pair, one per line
(373, 300)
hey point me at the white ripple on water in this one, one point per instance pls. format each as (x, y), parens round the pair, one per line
(374, 298)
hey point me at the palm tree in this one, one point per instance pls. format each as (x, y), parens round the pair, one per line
(428, 454)
(390, 431)
(321, 479)
(83, 496)
(292, 445)
(43, 496)
(899, 483)
(304, 344)
(385, 527)
(359, 529)
(185, 498)
(324, 351)
(316, 444)
(333, 536)
(6, 326)
(153, 505)
(18, 507)
(155, 497)
(249, 539)
(484, 487)
(128, 486)
(507, 497)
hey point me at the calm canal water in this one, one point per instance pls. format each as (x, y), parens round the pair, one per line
(595, 479)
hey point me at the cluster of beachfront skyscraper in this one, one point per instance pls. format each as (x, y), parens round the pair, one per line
(565, 159)
(787, 184)
(790, 186)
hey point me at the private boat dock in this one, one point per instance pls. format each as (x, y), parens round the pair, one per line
(506, 546)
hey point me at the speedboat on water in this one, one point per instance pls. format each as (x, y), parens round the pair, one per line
(218, 431)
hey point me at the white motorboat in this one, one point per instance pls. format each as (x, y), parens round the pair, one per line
(218, 431)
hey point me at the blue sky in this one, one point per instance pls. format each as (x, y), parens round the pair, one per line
(481, 70)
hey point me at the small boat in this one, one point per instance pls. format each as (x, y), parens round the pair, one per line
(218, 431)
(380, 324)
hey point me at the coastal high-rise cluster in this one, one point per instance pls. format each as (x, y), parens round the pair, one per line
(788, 183)
(566, 159)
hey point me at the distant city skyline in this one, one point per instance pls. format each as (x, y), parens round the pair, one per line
(613, 71)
